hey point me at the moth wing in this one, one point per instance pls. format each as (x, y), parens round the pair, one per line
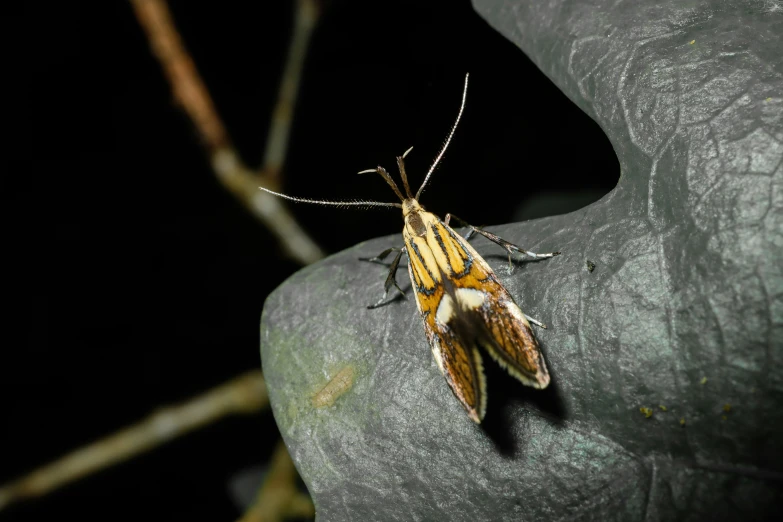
(461, 365)
(501, 327)
(459, 361)
(509, 340)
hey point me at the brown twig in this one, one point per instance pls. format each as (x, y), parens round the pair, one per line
(189, 90)
(191, 93)
(278, 497)
(245, 394)
(301, 506)
(305, 19)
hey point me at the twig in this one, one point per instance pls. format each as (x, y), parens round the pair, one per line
(301, 506)
(305, 19)
(278, 496)
(191, 93)
(245, 394)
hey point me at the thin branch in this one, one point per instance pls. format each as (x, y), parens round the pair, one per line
(188, 88)
(278, 497)
(244, 395)
(305, 19)
(301, 506)
(191, 93)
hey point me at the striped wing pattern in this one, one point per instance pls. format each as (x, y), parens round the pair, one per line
(465, 307)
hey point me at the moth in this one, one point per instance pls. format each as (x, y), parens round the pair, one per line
(464, 306)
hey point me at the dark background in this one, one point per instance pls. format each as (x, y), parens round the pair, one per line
(150, 278)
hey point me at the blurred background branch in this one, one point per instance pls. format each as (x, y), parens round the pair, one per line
(278, 497)
(306, 17)
(244, 395)
(192, 95)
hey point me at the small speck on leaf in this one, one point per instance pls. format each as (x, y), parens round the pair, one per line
(682, 421)
(662, 407)
(646, 411)
(590, 266)
(703, 381)
(692, 42)
(340, 383)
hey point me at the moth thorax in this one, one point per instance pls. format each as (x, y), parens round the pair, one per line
(412, 212)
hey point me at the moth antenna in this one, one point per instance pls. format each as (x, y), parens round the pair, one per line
(403, 175)
(355, 203)
(406, 152)
(448, 139)
(385, 175)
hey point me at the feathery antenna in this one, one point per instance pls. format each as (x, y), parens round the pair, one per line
(385, 175)
(356, 203)
(404, 175)
(448, 139)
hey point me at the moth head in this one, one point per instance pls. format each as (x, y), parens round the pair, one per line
(410, 206)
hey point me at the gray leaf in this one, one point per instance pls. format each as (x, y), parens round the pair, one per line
(684, 307)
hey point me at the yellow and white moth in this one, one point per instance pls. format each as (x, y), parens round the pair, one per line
(462, 303)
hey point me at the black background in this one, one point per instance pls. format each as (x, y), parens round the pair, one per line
(149, 278)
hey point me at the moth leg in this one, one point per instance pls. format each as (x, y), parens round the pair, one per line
(470, 229)
(534, 321)
(391, 279)
(509, 247)
(380, 257)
